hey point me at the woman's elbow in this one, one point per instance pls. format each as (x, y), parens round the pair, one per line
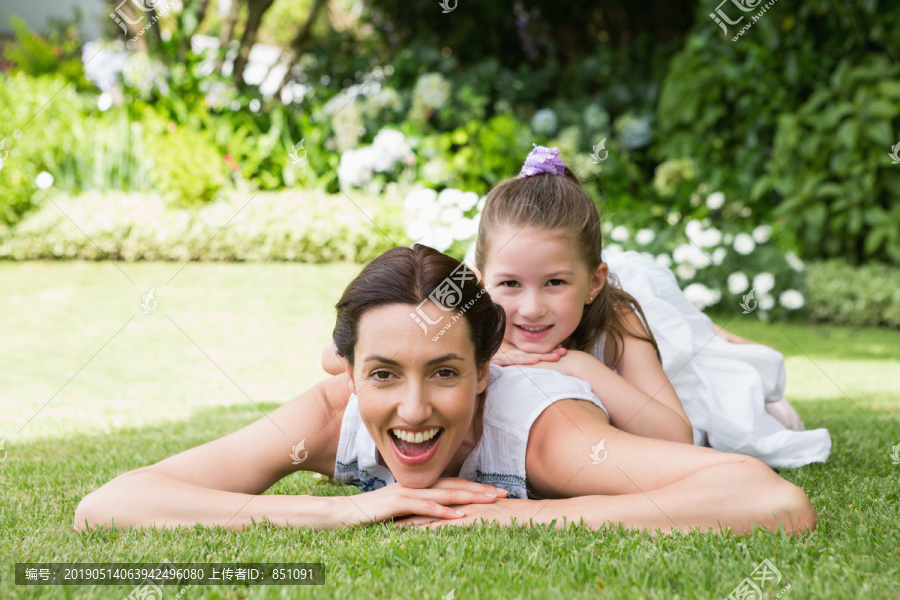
(86, 513)
(799, 511)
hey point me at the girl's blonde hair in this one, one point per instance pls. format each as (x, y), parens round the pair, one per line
(560, 204)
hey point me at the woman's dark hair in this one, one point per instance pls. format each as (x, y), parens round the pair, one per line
(409, 276)
(560, 204)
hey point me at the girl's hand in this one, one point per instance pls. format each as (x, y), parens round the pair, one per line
(435, 502)
(508, 354)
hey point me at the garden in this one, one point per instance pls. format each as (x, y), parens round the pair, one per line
(184, 198)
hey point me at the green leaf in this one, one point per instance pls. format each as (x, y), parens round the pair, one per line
(878, 108)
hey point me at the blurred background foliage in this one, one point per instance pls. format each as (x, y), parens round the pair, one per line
(791, 125)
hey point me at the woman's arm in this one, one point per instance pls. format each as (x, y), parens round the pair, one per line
(640, 483)
(631, 409)
(219, 482)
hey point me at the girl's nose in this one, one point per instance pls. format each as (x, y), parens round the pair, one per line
(532, 307)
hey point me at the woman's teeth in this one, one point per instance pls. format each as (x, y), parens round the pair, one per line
(415, 438)
(535, 329)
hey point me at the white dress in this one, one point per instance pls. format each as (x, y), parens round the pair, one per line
(722, 386)
(515, 397)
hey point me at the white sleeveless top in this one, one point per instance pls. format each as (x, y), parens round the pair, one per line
(515, 397)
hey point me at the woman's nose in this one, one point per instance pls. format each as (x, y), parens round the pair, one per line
(414, 406)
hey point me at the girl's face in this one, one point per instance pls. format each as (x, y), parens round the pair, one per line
(417, 397)
(541, 282)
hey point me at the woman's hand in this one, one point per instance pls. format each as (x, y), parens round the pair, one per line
(436, 502)
(508, 354)
(503, 511)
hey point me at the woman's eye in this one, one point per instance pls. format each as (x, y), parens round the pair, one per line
(446, 373)
(381, 375)
(509, 283)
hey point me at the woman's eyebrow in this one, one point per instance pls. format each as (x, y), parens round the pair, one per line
(391, 361)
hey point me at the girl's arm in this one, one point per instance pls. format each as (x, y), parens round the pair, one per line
(332, 362)
(640, 366)
(640, 483)
(631, 409)
(219, 482)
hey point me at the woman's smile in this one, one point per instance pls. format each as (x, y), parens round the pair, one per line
(416, 447)
(417, 395)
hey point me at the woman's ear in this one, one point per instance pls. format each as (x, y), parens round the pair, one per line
(349, 370)
(598, 281)
(484, 374)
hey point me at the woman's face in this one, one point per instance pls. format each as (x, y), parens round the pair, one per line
(417, 397)
(542, 283)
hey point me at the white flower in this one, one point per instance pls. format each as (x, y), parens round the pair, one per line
(762, 234)
(388, 147)
(685, 271)
(419, 198)
(355, 168)
(467, 200)
(766, 302)
(693, 229)
(104, 102)
(763, 283)
(673, 218)
(463, 229)
(44, 180)
(715, 201)
(449, 197)
(688, 253)
(451, 214)
(613, 249)
(791, 299)
(795, 262)
(544, 122)
(744, 244)
(737, 283)
(701, 296)
(719, 255)
(664, 260)
(480, 205)
(644, 236)
(619, 233)
(709, 237)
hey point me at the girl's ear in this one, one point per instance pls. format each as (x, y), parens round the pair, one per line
(598, 281)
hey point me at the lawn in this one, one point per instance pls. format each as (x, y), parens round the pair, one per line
(91, 386)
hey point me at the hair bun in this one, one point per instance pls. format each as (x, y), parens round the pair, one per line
(543, 160)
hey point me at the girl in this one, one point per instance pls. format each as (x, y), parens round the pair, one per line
(428, 429)
(539, 248)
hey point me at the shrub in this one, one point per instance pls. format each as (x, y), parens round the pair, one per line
(288, 226)
(187, 165)
(830, 163)
(845, 294)
(37, 134)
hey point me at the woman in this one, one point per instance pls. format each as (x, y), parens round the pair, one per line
(433, 431)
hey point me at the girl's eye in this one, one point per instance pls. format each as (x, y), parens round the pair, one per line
(509, 283)
(555, 282)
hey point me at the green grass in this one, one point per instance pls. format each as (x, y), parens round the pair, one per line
(257, 333)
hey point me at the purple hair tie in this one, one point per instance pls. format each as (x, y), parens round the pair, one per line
(543, 160)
